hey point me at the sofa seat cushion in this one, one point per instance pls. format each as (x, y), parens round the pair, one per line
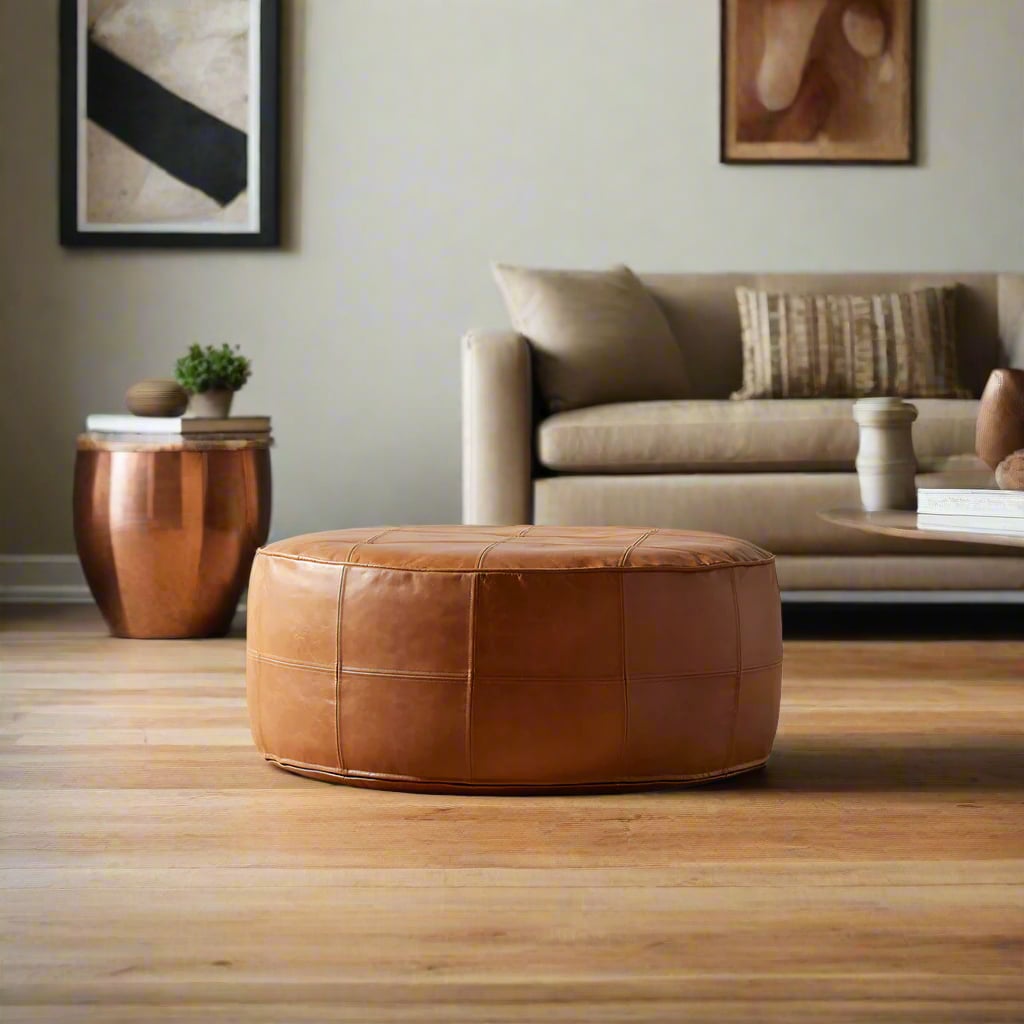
(772, 435)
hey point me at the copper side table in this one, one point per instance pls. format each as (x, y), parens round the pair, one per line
(167, 526)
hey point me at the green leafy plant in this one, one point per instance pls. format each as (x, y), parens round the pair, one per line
(212, 369)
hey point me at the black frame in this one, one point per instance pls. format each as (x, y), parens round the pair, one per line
(269, 234)
(911, 157)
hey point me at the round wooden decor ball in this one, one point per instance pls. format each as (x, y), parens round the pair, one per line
(1010, 472)
(156, 397)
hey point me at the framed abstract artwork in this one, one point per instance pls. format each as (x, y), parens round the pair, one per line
(169, 123)
(817, 81)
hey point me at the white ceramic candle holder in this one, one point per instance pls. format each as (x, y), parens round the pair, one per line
(886, 464)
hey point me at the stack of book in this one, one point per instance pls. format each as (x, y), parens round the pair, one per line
(964, 510)
(189, 426)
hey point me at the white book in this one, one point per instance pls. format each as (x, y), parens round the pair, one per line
(970, 502)
(104, 423)
(971, 524)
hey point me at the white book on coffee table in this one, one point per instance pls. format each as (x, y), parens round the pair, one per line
(964, 501)
(971, 524)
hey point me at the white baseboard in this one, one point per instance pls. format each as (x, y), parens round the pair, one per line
(47, 579)
(42, 579)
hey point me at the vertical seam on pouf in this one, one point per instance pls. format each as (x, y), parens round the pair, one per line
(730, 750)
(625, 675)
(623, 563)
(473, 585)
(372, 539)
(338, 669)
(258, 631)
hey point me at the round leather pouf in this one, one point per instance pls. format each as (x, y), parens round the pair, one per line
(471, 659)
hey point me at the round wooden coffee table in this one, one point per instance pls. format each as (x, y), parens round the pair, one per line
(904, 524)
(167, 526)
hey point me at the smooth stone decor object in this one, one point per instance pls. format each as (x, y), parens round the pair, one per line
(1000, 429)
(215, 404)
(472, 659)
(886, 465)
(166, 528)
(1010, 472)
(156, 397)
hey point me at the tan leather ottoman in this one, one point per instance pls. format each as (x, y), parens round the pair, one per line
(502, 659)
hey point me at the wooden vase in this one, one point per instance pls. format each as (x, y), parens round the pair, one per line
(1000, 430)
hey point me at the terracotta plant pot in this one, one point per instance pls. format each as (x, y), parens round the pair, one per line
(213, 404)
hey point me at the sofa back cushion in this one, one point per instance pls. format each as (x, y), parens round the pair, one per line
(702, 312)
(597, 337)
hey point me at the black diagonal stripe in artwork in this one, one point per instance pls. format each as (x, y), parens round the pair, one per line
(195, 147)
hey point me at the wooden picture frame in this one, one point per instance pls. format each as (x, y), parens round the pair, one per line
(158, 148)
(818, 82)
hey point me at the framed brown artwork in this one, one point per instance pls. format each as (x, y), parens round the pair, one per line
(817, 81)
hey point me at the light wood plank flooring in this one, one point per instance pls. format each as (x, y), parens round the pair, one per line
(155, 869)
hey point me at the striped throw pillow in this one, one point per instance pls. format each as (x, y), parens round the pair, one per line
(849, 346)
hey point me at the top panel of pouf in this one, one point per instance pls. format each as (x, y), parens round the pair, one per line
(521, 548)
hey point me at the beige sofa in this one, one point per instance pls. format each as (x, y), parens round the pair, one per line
(755, 469)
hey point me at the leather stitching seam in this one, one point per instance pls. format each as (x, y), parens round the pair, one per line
(307, 666)
(625, 665)
(469, 674)
(704, 567)
(487, 550)
(474, 585)
(629, 550)
(338, 663)
(372, 539)
(737, 621)
(401, 673)
(628, 780)
(258, 695)
(461, 677)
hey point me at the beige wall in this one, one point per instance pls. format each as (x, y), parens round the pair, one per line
(427, 137)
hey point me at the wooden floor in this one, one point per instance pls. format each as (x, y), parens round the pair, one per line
(154, 868)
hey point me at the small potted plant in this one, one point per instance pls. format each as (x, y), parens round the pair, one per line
(211, 376)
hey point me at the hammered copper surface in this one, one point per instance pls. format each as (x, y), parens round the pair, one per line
(166, 538)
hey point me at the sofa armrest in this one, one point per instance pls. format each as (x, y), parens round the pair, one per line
(1011, 318)
(497, 429)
